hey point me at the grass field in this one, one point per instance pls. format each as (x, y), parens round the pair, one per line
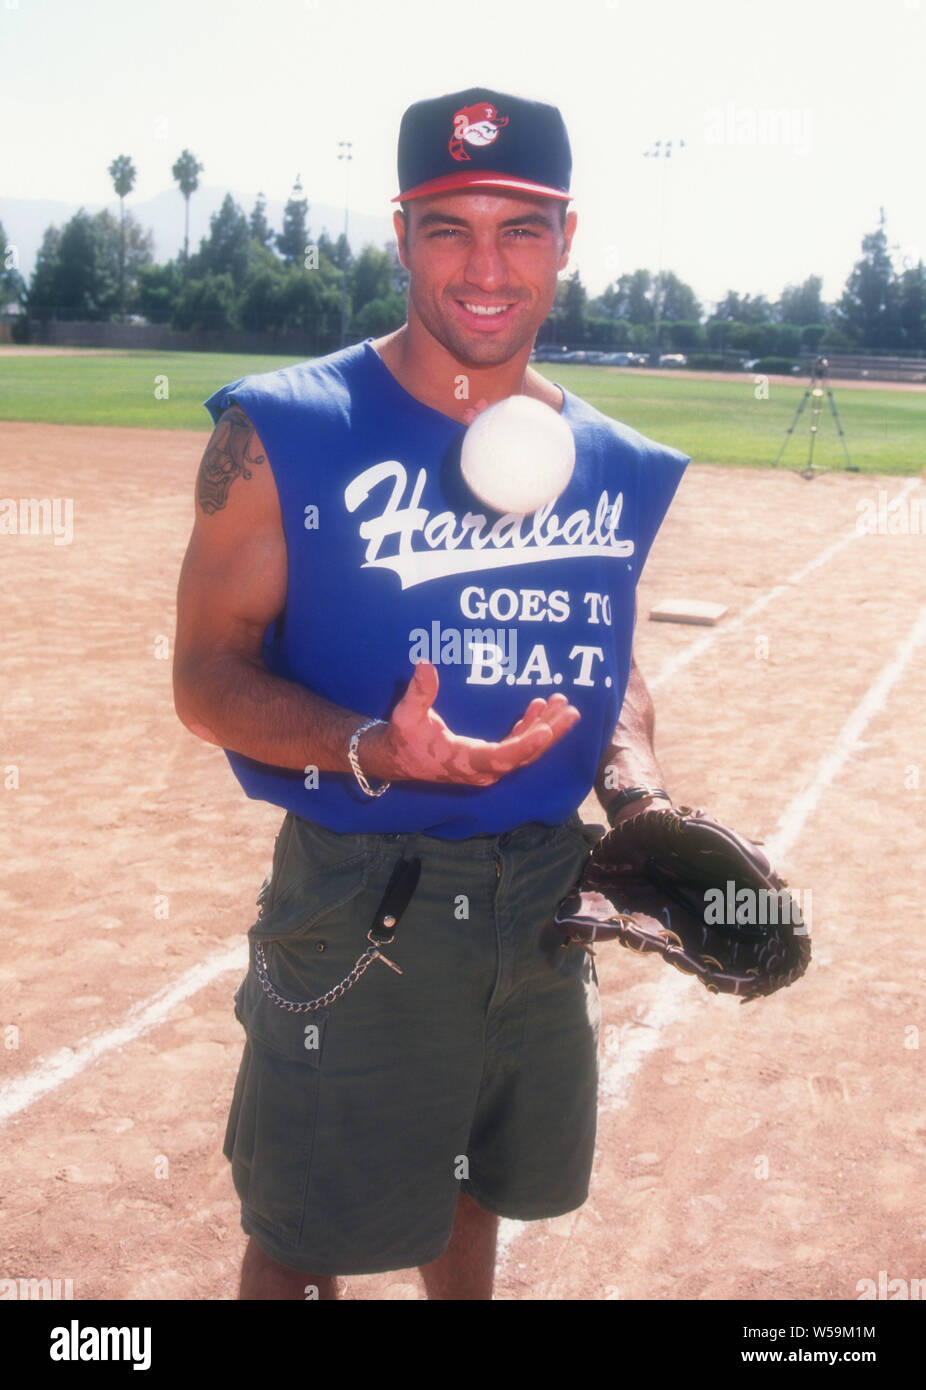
(714, 421)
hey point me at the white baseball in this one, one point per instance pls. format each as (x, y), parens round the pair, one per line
(518, 455)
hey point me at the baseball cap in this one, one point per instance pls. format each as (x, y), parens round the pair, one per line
(480, 138)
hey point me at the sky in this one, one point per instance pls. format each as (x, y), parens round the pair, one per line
(801, 118)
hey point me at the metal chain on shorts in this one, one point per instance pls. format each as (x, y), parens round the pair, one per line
(309, 1006)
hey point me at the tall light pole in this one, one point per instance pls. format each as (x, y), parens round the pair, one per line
(661, 150)
(344, 148)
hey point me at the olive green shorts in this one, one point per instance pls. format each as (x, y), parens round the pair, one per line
(354, 1127)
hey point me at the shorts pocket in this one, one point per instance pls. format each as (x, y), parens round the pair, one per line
(585, 835)
(315, 871)
(270, 1138)
(270, 1133)
(297, 1037)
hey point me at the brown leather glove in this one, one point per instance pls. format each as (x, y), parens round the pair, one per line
(709, 901)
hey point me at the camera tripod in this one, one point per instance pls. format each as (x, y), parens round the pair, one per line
(814, 393)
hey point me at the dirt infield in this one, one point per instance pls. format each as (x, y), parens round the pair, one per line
(773, 1151)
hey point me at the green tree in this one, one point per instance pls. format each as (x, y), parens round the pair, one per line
(261, 303)
(836, 339)
(868, 309)
(802, 304)
(74, 276)
(735, 308)
(159, 286)
(127, 248)
(327, 249)
(788, 338)
(608, 304)
(912, 307)
(225, 250)
(379, 316)
(294, 237)
(12, 284)
(370, 277)
(641, 337)
(571, 315)
(724, 335)
(283, 299)
(122, 172)
(685, 336)
(728, 310)
(310, 303)
(400, 276)
(40, 298)
(679, 302)
(633, 299)
(207, 301)
(185, 173)
(812, 335)
(343, 256)
(258, 225)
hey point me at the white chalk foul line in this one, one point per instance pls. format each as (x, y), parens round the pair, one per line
(673, 1002)
(65, 1064)
(700, 645)
(672, 999)
(831, 764)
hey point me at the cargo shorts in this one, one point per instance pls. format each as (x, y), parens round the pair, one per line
(354, 1127)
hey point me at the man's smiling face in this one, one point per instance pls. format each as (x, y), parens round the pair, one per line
(483, 268)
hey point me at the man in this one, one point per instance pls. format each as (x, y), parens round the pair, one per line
(332, 638)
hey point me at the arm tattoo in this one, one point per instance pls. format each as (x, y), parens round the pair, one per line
(226, 458)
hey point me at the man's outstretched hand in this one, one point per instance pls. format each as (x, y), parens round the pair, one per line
(416, 744)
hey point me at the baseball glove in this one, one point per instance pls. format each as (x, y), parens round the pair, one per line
(709, 901)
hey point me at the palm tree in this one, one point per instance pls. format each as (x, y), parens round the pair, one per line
(186, 172)
(122, 172)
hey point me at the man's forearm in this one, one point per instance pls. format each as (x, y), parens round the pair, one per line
(239, 705)
(630, 758)
(235, 702)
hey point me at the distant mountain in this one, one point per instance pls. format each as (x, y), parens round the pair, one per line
(25, 219)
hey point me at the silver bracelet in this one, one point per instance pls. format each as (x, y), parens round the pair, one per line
(352, 759)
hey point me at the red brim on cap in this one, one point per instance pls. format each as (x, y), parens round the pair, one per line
(476, 178)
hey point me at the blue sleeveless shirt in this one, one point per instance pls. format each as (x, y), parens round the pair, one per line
(392, 560)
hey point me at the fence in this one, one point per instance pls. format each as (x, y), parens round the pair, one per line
(159, 338)
(872, 366)
(154, 337)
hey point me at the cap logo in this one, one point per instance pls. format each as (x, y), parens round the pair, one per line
(475, 125)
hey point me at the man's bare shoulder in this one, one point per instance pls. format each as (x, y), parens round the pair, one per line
(234, 451)
(542, 390)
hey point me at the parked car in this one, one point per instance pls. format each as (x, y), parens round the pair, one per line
(616, 359)
(548, 354)
(673, 359)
